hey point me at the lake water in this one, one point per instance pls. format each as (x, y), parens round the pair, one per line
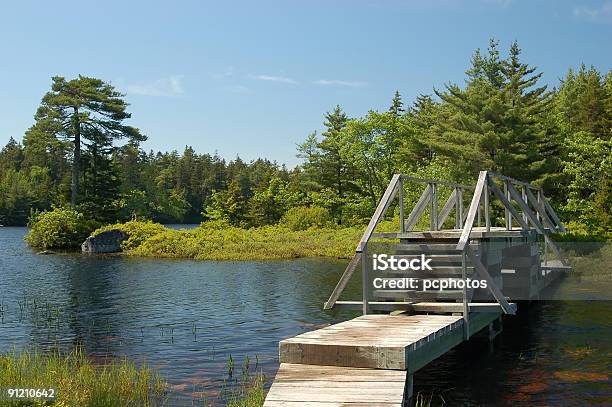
(186, 318)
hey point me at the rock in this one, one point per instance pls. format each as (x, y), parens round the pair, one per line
(108, 241)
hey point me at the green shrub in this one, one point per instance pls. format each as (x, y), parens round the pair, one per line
(220, 241)
(59, 228)
(304, 217)
(137, 232)
(579, 232)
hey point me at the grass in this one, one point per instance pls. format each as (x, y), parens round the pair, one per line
(592, 260)
(248, 390)
(78, 382)
(220, 241)
(252, 394)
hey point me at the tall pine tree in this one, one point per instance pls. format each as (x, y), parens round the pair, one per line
(87, 111)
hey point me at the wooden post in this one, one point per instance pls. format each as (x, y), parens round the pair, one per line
(450, 203)
(434, 207)
(508, 214)
(545, 251)
(486, 206)
(524, 196)
(457, 214)
(408, 390)
(401, 206)
(460, 207)
(466, 311)
(366, 281)
(539, 198)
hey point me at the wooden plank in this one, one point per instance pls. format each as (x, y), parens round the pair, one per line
(487, 206)
(291, 372)
(401, 205)
(448, 207)
(441, 307)
(438, 257)
(433, 349)
(497, 294)
(433, 211)
(369, 341)
(365, 280)
(327, 386)
(539, 227)
(510, 179)
(527, 214)
(382, 207)
(507, 213)
(429, 181)
(417, 295)
(459, 205)
(425, 248)
(344, 279)
(553, 214)
(555, 265)
(477, 233)
(418, 209)
(540, 209)
(436, 347)
(469, 221)
(438, 271)
(507, 204)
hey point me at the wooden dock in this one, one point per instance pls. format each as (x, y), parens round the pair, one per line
(370, 360)
(331, 386)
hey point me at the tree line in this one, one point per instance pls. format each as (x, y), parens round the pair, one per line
(80, 152)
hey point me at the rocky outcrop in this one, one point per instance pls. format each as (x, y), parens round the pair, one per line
(108, 241)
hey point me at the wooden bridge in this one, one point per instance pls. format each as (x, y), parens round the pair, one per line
(370, 360)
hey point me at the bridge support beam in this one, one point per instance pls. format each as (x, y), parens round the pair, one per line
(408, 390)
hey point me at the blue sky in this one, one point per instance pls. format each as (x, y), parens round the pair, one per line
(254, 78)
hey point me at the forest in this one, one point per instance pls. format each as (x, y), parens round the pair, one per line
(80, 153)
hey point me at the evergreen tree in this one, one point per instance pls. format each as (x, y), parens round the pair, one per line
(583, 102)
(396, 107)
(84, 110)
(327, 164)
(494, 123)
(11, 156)
(41, 149)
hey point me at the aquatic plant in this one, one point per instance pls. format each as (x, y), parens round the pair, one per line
(248, 391)
(79, 382)
(429, 400)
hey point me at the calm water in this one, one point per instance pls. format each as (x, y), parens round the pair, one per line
(554, 353)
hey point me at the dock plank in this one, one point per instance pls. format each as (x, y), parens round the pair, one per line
(327, 386)
(369, 341)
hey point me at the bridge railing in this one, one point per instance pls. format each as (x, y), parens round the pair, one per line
(427, 200)
(542, 214)
(542, 218)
